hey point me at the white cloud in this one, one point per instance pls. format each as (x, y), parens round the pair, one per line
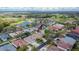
(38, 3)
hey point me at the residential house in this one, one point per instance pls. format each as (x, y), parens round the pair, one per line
(69, 40)
(53, 48)
(32, 39)
(7, 47)
(19, 32)
(56, 27)
(39, 27)
(44, 48)
(50, 21)
(12, 34)
(76, 30)
(69, 22)
(42, 45)
(19, 43)
(74, 33)
(37, 35)
(28, 30)
(65, 43)
(24, 24)
(4, 36)
(76, 22)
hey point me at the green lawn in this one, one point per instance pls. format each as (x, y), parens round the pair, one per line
(39, 41)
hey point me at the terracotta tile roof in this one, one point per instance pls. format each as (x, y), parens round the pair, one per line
(76, 30)
(56, 27)
(64, 45)
(19, 43)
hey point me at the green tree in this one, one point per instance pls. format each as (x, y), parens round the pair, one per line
(1, 27)
(1, 41)
(34, 49)
(23, 48)
(39, 41)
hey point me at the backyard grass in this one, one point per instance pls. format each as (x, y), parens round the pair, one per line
(40, 41)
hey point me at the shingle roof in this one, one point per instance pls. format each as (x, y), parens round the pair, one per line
(4, 37)
(69, 40)
(42, 45)
(7, 47)
(32, 38)
(73, 35)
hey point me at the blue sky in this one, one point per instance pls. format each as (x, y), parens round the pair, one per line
(39, 9)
